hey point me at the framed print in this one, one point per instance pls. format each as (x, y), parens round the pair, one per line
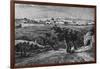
(50, 34)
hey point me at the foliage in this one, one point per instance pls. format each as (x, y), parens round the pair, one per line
(70, 36)
(52, 38)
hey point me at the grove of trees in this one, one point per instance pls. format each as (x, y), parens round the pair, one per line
(69, 39)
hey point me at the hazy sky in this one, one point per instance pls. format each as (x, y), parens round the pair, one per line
(42, 11)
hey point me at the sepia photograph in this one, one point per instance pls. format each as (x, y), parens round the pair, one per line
(47, 34)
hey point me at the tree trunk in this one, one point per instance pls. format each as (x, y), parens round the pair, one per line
(66, 45)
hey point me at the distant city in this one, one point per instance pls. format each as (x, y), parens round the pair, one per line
(51, 21)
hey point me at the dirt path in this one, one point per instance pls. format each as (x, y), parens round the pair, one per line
(57, 57)
(41, 56)
(85, 56)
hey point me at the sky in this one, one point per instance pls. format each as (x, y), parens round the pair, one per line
(43, 11)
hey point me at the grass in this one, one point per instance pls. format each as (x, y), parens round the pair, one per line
(35, 31)
(53, 57)
(31, 31)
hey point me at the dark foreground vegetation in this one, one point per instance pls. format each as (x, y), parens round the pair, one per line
(47, 39)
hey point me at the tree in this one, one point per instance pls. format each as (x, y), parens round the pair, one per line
(24, 49)
(69, 36)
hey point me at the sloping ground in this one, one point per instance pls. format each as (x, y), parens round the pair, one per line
(30, 42)
(84, 53)
(83, 48)
(59, 56)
